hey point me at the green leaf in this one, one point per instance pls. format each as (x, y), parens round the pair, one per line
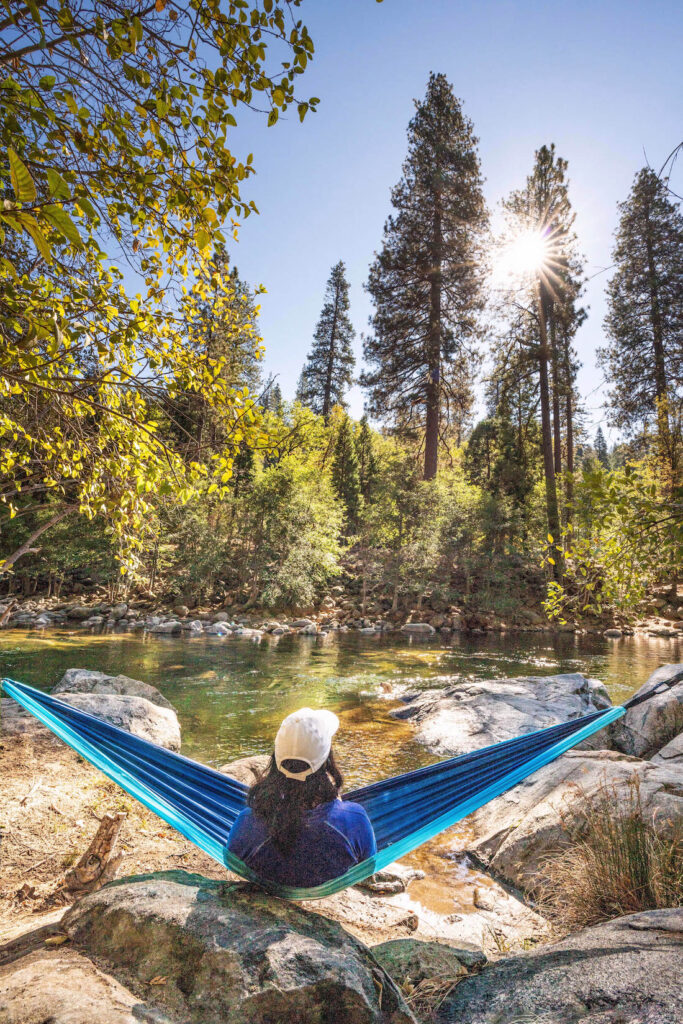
(63, 222)
(31, 226)
(22, 182)
(202, 238)
(58, 187)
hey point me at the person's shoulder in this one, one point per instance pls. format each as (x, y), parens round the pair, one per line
(246, 820)
(348, 810)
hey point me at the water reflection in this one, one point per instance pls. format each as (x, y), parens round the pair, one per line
(232, 694)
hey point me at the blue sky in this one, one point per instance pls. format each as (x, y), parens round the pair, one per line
(601, 79)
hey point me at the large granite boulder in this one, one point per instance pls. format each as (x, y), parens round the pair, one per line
(225, 954)
(626, 971)
(62, 987)
(516, 832)
(672, 754)
(471, 715)
(649, 726)
(84, 680)
(136, 715)
(16, 721)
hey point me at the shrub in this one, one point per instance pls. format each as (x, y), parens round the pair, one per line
(621, 863)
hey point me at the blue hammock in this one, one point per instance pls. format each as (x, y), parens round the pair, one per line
(405, 811)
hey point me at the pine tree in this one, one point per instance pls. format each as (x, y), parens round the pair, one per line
(272, 399)
(601, 450)
(328, 372)
(543, 208)
(345, 471)
(426, 280)
(367, 459)
(644, 357)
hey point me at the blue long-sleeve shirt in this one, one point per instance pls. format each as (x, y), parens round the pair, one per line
(334, 836)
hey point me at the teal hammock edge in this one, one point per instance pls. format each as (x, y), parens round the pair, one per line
(355, 874)
(119, 775)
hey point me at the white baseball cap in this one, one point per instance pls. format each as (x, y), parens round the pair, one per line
(305, 735)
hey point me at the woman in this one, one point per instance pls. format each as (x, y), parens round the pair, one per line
(295, 829)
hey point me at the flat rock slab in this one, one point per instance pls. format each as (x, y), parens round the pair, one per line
(231, 955)
(472, 715)
(626, 971)
(83, 680)
(514, 833)
(62, 987)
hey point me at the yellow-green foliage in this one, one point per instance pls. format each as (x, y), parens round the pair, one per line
(115, 154)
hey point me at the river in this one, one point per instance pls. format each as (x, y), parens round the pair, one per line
(231, 694)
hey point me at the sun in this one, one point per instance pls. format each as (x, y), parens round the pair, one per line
(527, 254)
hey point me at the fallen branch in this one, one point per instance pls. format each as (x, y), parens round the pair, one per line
(99, 863)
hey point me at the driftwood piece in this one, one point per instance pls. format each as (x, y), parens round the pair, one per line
(100, 862)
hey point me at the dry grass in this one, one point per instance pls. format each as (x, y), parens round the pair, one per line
(425, 998)
(620, 863)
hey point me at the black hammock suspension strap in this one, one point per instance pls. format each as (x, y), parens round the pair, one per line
(666, 684)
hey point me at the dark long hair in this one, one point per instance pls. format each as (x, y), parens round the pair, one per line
(282, 802)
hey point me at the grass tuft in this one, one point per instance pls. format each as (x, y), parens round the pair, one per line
(620, 863)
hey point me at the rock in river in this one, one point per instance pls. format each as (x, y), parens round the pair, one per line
(471, 715)
(230, 955)
(247, 769)
(626, 971)
(83, 680)
(136, 715)
(127, 703)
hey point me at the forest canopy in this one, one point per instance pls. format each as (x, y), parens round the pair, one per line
(143, 447)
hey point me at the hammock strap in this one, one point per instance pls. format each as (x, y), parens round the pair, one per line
(666, 684)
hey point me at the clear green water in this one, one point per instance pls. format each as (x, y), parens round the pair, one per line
(232, 694)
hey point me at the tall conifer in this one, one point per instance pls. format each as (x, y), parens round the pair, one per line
(543, 207)
(426, 280)
(644, 355)
(328, 372)
(345, 470)
(601, 450)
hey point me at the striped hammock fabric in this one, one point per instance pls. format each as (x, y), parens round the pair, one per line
(405, 811)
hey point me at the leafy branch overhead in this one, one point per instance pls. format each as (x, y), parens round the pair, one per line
(117, 167)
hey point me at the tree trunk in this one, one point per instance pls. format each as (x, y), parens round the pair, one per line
(433, 388)
(546, 430)
(661, 389)
(327, 397)
(569, 427)
(557, 433)
(26, 547)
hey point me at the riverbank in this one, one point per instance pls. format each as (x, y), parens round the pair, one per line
(662, 617)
